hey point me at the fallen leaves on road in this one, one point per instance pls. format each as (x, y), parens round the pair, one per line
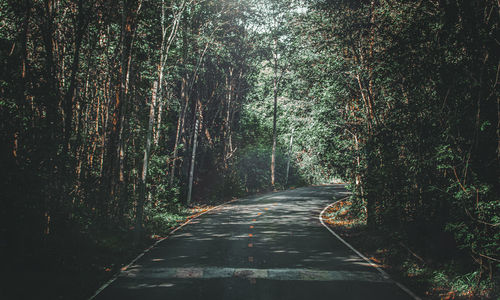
(338, 215)
(195, 212)
(156, 237)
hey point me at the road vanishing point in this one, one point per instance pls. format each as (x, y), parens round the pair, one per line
(270, 246)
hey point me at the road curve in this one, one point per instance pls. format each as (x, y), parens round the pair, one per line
(268, 247)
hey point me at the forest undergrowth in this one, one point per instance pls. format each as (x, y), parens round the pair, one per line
(75, 266)
(428, 274)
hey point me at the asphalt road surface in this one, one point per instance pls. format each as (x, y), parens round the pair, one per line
(268, 247)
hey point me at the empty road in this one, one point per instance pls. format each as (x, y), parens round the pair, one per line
(271, 246)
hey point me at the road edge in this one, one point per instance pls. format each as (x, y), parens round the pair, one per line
(384, 273)
(112, 279)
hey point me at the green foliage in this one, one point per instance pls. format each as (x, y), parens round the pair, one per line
(415, 85)
(160, 219)
(159, 188)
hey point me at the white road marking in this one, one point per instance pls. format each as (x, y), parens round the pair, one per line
(248, 273)
(384, 273)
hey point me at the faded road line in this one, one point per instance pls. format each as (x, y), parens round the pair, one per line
(248, 273)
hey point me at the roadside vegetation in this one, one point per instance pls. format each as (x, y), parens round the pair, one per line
(430, 275)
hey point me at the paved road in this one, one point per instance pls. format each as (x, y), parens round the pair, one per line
(267, 247)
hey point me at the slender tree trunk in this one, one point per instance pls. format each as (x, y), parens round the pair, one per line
(193, 160)
(180, 124)
(166, 43)
(275, 109)
(111, 159)
(160, 73)
(358, 178)
(115, 155)
(289, 156)
(156, 138)
(145, 162)
(185, 93)
(228, 147)
(70, 93)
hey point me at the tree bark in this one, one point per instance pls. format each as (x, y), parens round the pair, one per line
(289, 156)
(193, 160)
(115, 155)
(166, 43)
(180, 124)
(228, 147)
(69, 97)
(275, 109)
(145, 163)
(185, 93)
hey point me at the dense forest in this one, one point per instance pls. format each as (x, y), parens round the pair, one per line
(116, 115)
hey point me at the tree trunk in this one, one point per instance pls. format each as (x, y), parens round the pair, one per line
(193, 159)
(145, 162)
(228, 147)
(70, 93)
(289, 156)
(275, 96)
(166, 43)
(185, 93)
(180, 124)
